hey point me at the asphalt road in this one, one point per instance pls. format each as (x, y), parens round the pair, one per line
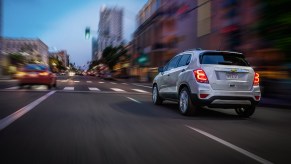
(90, 120)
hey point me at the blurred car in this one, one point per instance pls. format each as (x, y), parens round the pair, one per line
(84, 73)
(37, 74)
(106, 75)
(71, 73)
(215, 79)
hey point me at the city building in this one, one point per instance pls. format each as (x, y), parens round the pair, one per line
(1, 26)
(228, 25)
(110, 28)
(33, 49)
(155, 39)
(94, 49)
(168, 27)
(62, 56)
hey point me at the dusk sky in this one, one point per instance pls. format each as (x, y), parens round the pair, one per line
(61, 23)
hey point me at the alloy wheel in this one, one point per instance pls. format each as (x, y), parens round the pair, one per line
(184, 101)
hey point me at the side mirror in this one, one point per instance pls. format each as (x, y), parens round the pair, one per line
(161, 69)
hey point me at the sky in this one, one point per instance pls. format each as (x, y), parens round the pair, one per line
(61, 23)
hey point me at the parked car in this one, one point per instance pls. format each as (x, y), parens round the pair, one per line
(215, 79)
(37, 74)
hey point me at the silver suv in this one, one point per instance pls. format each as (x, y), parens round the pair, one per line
(206, 78)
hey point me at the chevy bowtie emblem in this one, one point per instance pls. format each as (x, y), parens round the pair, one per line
(233, 70)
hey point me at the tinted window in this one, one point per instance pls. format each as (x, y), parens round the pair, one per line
(224, 59)
(36, 67)
(173, 63)
(184, 60)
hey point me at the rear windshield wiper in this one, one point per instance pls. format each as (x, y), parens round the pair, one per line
(225, 63)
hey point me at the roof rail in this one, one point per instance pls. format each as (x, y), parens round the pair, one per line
(194, 49)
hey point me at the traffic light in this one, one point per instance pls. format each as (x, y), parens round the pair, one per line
(87, 33)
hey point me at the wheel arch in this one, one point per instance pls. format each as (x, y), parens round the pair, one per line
(183, 85)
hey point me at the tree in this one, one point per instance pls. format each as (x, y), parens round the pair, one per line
(56, 64)
(94, 63)
(111, 55)
(275, 24)
(17, 59)
(73, 67)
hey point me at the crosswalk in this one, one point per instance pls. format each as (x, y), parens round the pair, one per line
(72, 88)
(69, 88)
(70, 85)
(93, 89)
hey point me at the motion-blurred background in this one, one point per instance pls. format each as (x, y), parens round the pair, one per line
(164, 28)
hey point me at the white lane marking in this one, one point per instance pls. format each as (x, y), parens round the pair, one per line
(249, 154)
(112, 83)
(76, 81)
(16, 115)
(35, 87)
(141, 85)
(118, 90)
(89, 81)
(13, 88)
(139, 90)
(8, 80)
(134, 100)
(101, 82)
(94, 89)
(40, 87)
(69, 88)
(124, 83)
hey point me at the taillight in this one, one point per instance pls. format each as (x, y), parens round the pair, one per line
(200, 76)
(256, 79)
(201, 95)
(257, 98)
(20, 74)
(43, 73)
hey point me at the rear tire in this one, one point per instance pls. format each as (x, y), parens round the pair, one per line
(157, 100)
(186, 107)
(246, 111)
(49, 86)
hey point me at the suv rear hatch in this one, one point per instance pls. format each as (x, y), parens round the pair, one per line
(227, 71)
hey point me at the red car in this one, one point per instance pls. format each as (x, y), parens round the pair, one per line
(37, 74)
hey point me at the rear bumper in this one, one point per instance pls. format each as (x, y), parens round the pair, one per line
(224, 101)
(224, 98)
(36, 81)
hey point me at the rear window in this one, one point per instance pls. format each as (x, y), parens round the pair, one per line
(223, 59)
(35, 67)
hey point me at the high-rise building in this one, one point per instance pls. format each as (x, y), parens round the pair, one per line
(110, 28)
(94, 49)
